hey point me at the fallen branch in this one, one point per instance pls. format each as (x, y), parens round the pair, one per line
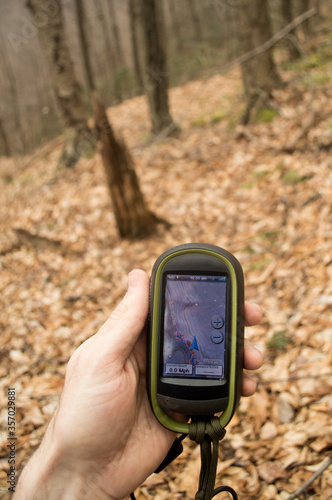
(43, 151)
(40, 243)
(272, 41)
(292, 378)
(307, 483)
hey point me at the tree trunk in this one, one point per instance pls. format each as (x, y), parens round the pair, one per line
(16, 139)
(133, 218)
(135, 25)
(4, 144)
(306, 26)
(156, 81)
(107, 39)
(292, 41)
(191, 7)
(179, 42)
(83, 30)
(259, 74)
(67, 90)
(120, 59)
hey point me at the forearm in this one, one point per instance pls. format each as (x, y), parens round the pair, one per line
(47, 477)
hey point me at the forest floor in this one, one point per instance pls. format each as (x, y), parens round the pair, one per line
(264, 192)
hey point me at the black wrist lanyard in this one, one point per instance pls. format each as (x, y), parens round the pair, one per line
(207, 433)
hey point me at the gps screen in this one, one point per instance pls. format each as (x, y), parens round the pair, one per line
(194, 326)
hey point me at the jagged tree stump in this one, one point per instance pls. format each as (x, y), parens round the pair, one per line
(133, 217)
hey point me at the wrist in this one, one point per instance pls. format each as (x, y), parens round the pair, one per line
(47, 476)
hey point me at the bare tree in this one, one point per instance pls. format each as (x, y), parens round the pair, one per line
(83, 30)
(120, 59)
(304, 6)
(17, 141)
(177, 34)
(293, 45)
(259, 73)
(110, 56)
(67, 90)
(156, 75)
(135, 26)
(192, 9)
(4, 143)
(133, 218)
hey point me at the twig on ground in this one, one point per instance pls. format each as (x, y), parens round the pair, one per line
(305, 485)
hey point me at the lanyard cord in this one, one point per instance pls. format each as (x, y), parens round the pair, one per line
(207, 433)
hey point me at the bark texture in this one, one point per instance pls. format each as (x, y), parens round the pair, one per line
(259, 74)
(120, 58)
(82, 22)
(135, 37)
(67, 90)
(156, 77)
(292, 41)
(12, 142)
(4, 143)
(133, 218)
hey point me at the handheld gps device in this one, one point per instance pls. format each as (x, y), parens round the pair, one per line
(196, 324)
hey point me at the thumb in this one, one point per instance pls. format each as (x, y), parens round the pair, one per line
(127, 321)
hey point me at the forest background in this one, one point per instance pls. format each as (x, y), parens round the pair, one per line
(244, 162)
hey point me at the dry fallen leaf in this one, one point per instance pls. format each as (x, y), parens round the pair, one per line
(268, 432)
(286, 411)
(270, 471)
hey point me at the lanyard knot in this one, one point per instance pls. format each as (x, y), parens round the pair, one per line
(204, 432)
(199, 429)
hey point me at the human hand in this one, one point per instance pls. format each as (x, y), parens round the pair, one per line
(104, 440)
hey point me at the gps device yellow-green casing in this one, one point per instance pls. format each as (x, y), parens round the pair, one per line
(186, 284)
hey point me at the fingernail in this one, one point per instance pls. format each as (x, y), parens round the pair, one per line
(251, 346)
(133, 279)
(258, 308)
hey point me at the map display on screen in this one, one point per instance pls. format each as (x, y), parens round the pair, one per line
(194, 326)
